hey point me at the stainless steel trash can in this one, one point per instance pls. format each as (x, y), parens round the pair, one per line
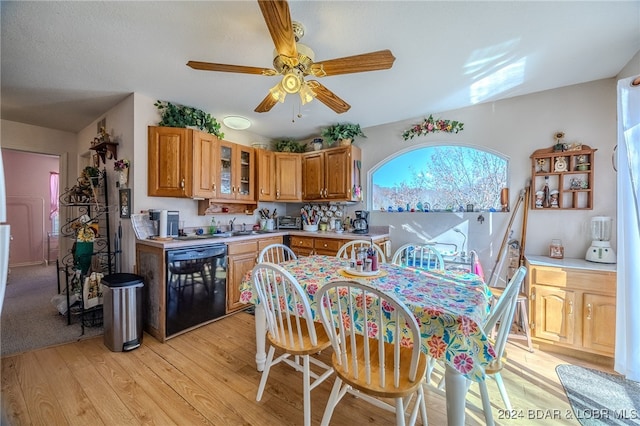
(122, 306)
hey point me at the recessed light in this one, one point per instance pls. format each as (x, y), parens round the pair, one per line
(236, 122)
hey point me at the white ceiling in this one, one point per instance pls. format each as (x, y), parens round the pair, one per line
(64, 64)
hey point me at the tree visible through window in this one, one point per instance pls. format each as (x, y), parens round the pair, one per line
(440, 178)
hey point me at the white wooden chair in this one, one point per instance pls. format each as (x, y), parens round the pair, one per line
(345, 251)
(521, 313)
(423, 256)
(290, 328)
(370, 367)
(276, 253)
(502, 313)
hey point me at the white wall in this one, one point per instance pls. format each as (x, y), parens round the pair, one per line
(632, 69)
(514, 127)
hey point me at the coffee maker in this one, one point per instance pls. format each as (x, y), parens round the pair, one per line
(361, 222)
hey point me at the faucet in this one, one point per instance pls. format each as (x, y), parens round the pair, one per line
(231, 224)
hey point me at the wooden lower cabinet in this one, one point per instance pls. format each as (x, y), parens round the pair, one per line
(308, 245)
(242, 257)
(573, 307)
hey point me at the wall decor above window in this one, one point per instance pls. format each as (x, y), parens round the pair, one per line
(431, 125)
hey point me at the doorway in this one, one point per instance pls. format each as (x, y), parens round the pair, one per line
(32, 206)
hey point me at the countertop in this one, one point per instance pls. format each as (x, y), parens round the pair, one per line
(376, 232)
(571, 263)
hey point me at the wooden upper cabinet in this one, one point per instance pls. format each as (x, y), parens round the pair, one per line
(288, 177)
(313, 176)
(236, 179)
(205, 163)
(266, 175)
(331, 175)
(170, 166)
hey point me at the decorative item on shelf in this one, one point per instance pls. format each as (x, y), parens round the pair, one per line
(122, 167)
(582, 163)
(553, 198)
(431, 125)
(504, 199)
(316, 144)
(289, 145)
(343, 132)
(86, 232)
(104, 147)
(559, 146)
(541, 162)
(184, 116)
(261, 145)
(539, 199)
(561, 164)
(546, 199)
(578, 184)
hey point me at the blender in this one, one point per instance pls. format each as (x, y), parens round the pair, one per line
(600, 250)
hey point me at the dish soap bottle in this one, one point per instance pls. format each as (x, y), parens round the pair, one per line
(212, 227)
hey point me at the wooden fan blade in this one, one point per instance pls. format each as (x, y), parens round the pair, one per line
(267, 103)
(210, 66)
(328, 98)
(373, 61)
(278, 19)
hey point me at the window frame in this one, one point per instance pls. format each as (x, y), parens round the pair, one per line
(433, 144)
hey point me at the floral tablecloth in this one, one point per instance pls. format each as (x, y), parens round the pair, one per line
(449, 306)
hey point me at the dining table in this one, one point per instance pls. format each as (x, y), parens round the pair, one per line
(449, 306)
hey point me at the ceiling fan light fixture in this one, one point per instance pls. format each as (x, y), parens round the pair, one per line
(236, 122)
(292, 81)
(278, 93)
(306, 94)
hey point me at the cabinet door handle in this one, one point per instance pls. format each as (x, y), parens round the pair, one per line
(182, 184)
(589, 311)
(213, 186)
(571, 308)
(278, 194)
(261, 191)
(533, 295)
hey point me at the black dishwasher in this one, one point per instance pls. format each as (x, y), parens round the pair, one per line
(196, 286)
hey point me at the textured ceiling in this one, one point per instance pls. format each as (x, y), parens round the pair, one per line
(66, 63)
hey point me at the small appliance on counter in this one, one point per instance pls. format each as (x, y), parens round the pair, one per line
(172, 219)
(288, 222)
(361, 222)
(600, 250)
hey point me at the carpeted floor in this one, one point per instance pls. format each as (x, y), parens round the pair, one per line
(29, 320)
(599, 398)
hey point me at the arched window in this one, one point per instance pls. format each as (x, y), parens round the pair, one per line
(440, 178)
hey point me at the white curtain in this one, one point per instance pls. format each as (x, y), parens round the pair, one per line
(627, 358)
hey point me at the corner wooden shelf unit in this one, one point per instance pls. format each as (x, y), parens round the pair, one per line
(570, 172)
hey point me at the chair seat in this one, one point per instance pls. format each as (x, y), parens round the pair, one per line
(497, 292)
(405, 387)
(294, 348)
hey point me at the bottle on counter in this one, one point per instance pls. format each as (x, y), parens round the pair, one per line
(212, 227)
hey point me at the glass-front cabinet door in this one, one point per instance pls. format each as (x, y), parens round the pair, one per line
(236, 172)
(245, 174)
(226, 170)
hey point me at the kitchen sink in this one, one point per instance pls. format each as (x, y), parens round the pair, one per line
(221, 235)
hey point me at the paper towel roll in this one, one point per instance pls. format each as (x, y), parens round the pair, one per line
(162, 232)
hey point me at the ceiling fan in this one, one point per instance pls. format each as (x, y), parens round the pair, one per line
(294, 61)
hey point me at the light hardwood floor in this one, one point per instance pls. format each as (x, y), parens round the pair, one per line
(208, 377)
